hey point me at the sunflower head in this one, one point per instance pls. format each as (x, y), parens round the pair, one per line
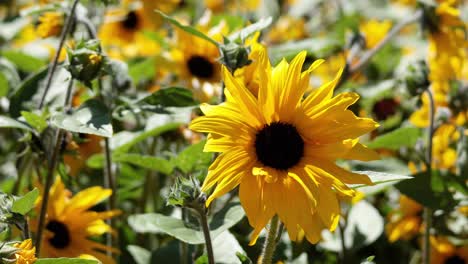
(26, 253)
(196, 59)
(50, 24)
(405, 222)
(281, 149)
(70, 223)
(374, 31)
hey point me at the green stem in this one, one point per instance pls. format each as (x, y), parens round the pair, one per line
(427, 214)
(206, 233)
(270, 243)
(63, 36)
(50, 173)
(344, 250)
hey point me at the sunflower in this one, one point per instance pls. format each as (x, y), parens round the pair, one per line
(26, 253)
(447, 59)
(281, 149)
(50, 24)
(219, 6)
(405, 222)
(196, 59)
(287, 28)
(123, 32)
(444, 252)
(89, 145)
(69, 223)
(374, 31)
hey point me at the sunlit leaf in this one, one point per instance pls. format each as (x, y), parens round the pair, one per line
(171, 96)
(23, 61)
(36, 121)
(92, 117)
(24, 204)
(193, 158)
(158, 223)
(27, 89)
(6, 121)
(144, 161)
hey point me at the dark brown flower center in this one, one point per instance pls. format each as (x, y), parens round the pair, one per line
(279, 145)
(385, 108)
(454, 260)
(61, 238)
(200, 67)
(131, 21)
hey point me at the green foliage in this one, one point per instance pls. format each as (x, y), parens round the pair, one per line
(167, 97)
(188, 29)
(92, 117)
(315, 47)
(37, 122)
(25, 91)
(192, 158)
(401, 137)
(142, 70)
(429, 191)
(145, 161)
(157, 223)
(12, 123)
(26, 203)
(23, 61)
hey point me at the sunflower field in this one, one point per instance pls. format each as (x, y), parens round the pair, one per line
(234, 131)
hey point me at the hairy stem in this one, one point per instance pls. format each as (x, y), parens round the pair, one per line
(206, 233)
(427, 215)
(63, 37)
(270, 243)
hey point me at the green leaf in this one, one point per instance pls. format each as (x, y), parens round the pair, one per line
(422, 189)
(23, 61)
(142, 70)
(382, 182)
(172, 96)
(4, 85)
(188, 29)
(250, 29)
(150, 133)
(65, 261)
(36, 121)
(402, 137)
(158, 223)
(24, 204)
(193, 158)
(147, 162)
(139, 254)
(25, 92)
(6, 121)
(380, 177)
(92, 117)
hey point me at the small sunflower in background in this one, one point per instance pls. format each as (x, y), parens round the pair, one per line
(122, 33)
(26, 253)
(287, 28)
(374, 31)
(196, 59)
(444, 252)
(281, 149)
(50, 24)
(86, 146)
(404, 222)
(218, 6)
(70, 223)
